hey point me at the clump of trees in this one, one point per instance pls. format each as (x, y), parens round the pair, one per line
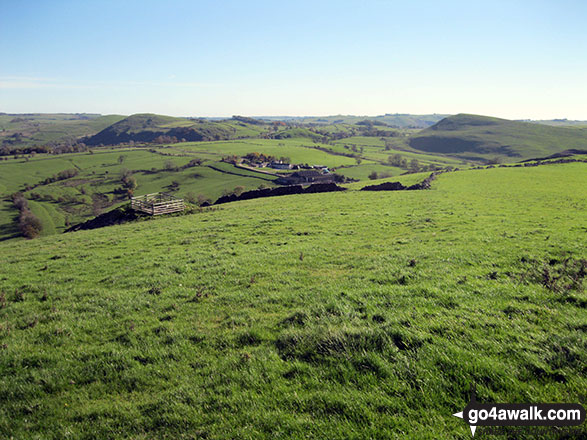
(203, 199)
(397, 161)
(236, 191)
(28, 224)
(194, 163)
(128, 181)
(61, 175)
(199, 200)
(165, 139)
(170, 165)
(233, 159)
(258, 157)
(374, 175)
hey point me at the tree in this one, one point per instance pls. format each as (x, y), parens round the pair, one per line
(29, 224)
(121, 158)
(239, 190)
(395, 160)
(358, 160)
(414, 164)
(373, 175)
(125, 173)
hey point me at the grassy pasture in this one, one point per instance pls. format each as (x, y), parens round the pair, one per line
(298, 150)
(340, 315)
(38, 129)
(99, 176)
(482, 137)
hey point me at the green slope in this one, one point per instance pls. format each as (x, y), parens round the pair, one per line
(397, 120)
(94, 189)
(342, 315)
(482, 137)
(26, 130)
(146, 127)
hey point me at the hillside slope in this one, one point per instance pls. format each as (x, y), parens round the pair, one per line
(342, 315)
(397, 120)
(19, 131)
(478, 137)
(146, 127)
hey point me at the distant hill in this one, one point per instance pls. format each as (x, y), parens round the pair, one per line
(560, 122)
(483, 137)
(397, 120)
(146, 127)
(31, 129)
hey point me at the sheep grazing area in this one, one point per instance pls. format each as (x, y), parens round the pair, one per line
(351, 314)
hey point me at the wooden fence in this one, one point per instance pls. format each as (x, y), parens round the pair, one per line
(157, 203)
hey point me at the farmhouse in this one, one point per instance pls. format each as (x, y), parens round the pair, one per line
(305, 176)
(280, 165)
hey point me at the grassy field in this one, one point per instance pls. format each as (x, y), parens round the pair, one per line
(39, 129)
(339, 315)
(481, 137)
(71, 201)
(298, 150)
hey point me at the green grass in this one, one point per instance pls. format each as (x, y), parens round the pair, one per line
(40, 129)
(340, 315)
(406, 179)
(298, 150)
(395, 120)
(145, 127)
(363, 171)
(99, 175)
(481, 137)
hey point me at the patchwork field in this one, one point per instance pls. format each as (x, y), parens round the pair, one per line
(96, 187)
(337, 315)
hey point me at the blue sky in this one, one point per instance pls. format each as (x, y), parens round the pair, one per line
(514, 59)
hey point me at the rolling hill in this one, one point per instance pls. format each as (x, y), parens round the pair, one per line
(147, 127)
(481, 137)
(336, 315)
(34, 129)
(396, 120)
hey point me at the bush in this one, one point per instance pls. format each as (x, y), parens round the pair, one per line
(193, 163)
(239, 190)
(29, 224)
(130, 183)
(203, 199)
(19, 201)
(170, 166)
(373, 175)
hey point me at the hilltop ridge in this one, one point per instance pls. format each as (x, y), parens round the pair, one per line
(482, 137)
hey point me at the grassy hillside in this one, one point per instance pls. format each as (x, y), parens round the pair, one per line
(25, 130)
(482, 137)
(147, 127)
(393, 120)
(163, 168)
(96, 186)
(340, 315)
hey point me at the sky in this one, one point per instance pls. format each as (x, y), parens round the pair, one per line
(511, 59)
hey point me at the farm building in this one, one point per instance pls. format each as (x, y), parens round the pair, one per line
(280, 165)
(305, 176)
